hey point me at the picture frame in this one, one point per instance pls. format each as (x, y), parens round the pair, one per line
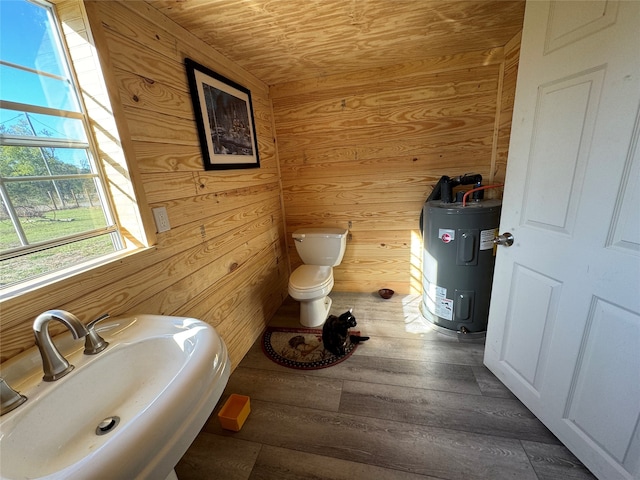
(224, 117)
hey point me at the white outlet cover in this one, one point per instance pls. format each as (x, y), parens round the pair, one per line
(162, 219)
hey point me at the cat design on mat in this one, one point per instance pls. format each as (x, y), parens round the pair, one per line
(335, 333)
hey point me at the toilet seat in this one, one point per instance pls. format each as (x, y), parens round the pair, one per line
(310, 280)
(310, 285)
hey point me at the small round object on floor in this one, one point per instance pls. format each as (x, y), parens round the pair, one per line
(386, 293)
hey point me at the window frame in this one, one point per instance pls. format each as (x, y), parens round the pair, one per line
(135, 234)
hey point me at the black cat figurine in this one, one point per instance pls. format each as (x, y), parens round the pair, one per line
(335, 333)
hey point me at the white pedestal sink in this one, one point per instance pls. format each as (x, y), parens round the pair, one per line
(128, 412)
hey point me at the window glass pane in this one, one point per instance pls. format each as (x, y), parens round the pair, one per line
(28, 38)
(43, 126)
(43, 161)
(30, 266)
(8, 236)
(69, 161)
(33, 89)
(54, 209)
(70, 204)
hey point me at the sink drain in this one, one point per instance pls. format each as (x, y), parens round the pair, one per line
(107, 425)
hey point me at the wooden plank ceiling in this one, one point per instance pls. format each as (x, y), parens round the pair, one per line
(284, 40)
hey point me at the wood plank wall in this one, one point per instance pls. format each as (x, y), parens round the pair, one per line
(363, 151)
(507, 97)
(224, 260)
(360, 150)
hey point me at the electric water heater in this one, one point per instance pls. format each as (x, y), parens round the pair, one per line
(458, 263)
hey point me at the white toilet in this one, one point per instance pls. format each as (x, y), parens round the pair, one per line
(320, 249)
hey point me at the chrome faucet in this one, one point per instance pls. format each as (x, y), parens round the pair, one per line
(55, 366)
(9, 398)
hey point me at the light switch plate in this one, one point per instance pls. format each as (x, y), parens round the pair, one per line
(161, 218)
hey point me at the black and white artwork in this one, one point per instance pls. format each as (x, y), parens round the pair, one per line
(224, 116)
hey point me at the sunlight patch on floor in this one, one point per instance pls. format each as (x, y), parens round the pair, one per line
(414, 322)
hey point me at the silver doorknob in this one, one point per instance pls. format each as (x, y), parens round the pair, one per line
(505, 239)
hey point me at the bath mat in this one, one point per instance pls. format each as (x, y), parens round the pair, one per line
(301, 348)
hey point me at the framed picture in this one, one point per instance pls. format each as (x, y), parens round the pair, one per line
(224, 115)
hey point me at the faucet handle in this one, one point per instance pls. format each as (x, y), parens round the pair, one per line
(10, 399)
(94, 343)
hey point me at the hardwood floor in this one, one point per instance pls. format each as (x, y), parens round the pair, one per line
(410, 403)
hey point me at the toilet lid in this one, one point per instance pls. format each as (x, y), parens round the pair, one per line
(307, 277)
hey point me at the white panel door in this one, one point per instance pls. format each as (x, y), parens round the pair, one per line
(564, 324)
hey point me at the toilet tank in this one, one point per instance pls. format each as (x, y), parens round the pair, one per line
(321, 246)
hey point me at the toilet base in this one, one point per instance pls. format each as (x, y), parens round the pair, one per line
(315, 312)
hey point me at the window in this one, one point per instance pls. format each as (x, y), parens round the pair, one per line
(54, 208)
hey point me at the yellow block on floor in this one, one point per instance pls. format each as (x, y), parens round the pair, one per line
(234, 412)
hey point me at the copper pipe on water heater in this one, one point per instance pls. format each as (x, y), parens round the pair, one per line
(484, 187)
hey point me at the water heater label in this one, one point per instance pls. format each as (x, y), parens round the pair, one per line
(444, 305)
(486, 238)
(446, 235)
